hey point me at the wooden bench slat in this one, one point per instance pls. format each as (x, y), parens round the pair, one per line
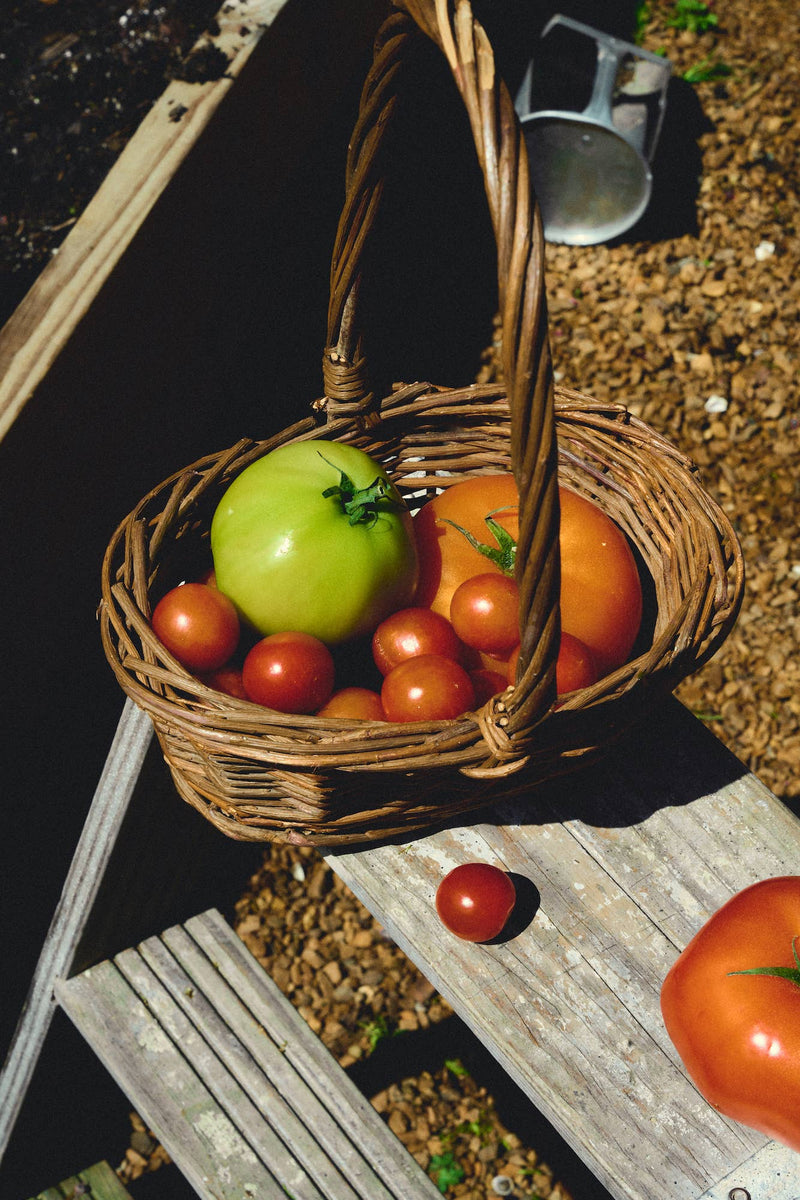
(171, 1097)
(242, 1039)
(102, 1182)
(243, 1095)
(308, 1057)
(213, 1069)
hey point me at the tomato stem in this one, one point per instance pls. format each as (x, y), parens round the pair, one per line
(790, 973)
(362, 505)
(504, 554)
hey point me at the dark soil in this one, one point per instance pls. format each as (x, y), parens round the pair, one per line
(76, 78)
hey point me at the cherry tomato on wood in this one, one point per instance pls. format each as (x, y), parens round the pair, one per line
(475, 900)
(356, 703)
(411, 632)
(198, 625)
(290, 672)
(484, 612)
(429, 687)
(731, 1005)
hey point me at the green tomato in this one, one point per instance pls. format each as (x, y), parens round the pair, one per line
(314, 538)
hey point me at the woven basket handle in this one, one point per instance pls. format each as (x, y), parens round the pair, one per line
(526, 353)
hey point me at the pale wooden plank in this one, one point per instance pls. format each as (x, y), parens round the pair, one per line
(205, 1143)
(773, 1173)
(35, 334)
(93, 852)
(213, 1069)
(257, 1056)
(310, 1059)
(629, 860)
(208, 1041)
(98, 1182)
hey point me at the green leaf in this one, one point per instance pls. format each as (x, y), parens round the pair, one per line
(445, 1171)
(707, 70)
(362, 505)
(504, 554)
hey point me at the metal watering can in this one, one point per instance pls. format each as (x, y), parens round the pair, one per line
(591, 169)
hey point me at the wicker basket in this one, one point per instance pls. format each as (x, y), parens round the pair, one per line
(263, 775)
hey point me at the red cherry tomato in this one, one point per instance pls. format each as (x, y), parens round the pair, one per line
(410, 632)
(575, 665)
(484, 612)
(198, 625)
(358, 703)
(427, 688)
(487, 683)
(290, 672)
(228, 680)
(475, 900)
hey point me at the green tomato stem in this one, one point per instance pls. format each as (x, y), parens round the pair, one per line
(361, 505)
(790, 973)
(504, 554)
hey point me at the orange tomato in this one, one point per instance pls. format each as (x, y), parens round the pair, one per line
(601, 594)
(446, 558)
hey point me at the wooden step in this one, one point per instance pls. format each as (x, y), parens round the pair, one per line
(245, 1098)
(99, 1182)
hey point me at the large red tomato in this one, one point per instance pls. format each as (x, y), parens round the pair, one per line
(731, 1005)
(601, 594)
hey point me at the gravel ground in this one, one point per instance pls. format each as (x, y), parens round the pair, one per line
(691, 321)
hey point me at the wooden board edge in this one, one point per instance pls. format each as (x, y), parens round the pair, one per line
(37, 331)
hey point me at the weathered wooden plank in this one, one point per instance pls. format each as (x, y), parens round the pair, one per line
(98, 1182)
(203, 1140)
(201, 1032)
(628, 860)
(315, 1084)
(259, 1054)
(241, 1088)
(35, 334)
(92, 854)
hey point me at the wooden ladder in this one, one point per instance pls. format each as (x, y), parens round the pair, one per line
(243, 1095)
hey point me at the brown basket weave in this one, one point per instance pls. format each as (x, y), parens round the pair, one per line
(263, 775)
